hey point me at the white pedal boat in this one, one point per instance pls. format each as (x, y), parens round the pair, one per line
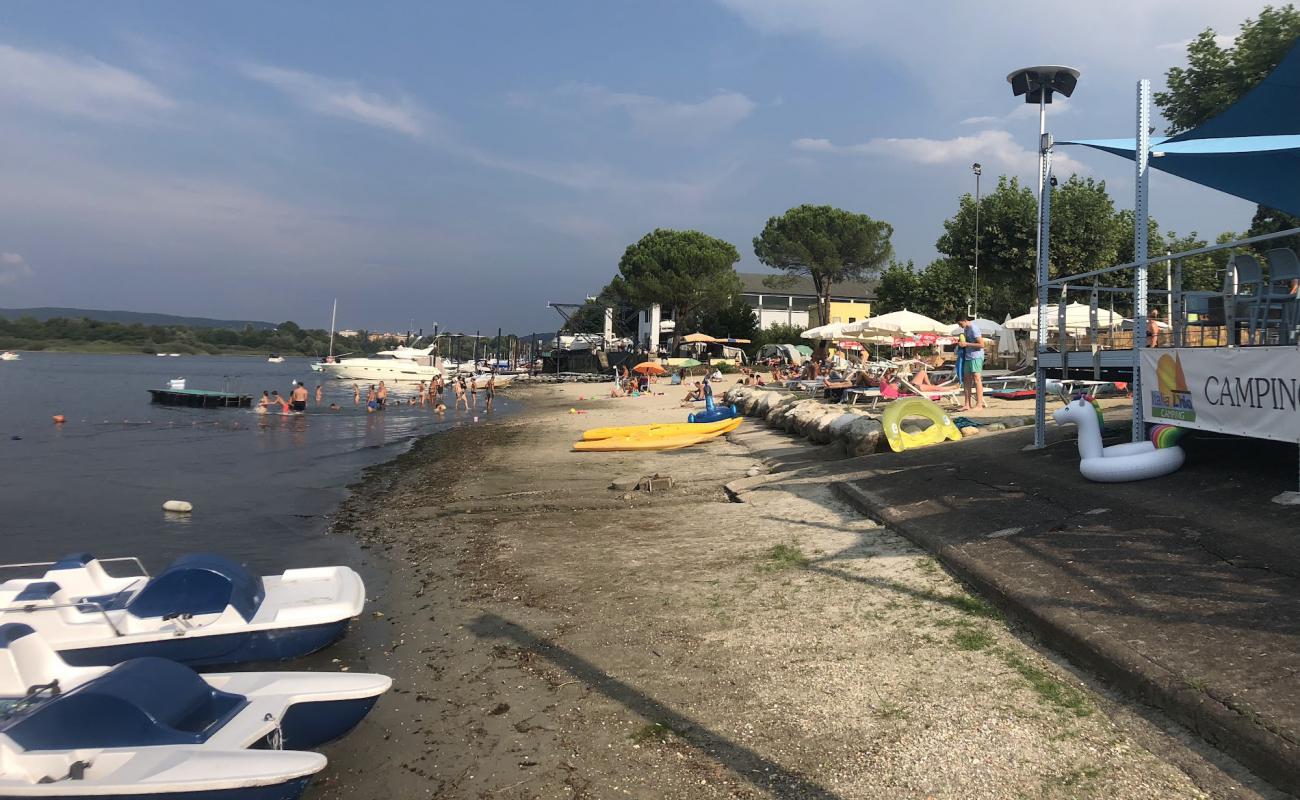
(152, 728)
(203, 610)
(232, 710)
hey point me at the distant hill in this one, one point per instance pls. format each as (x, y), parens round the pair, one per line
(131, 318)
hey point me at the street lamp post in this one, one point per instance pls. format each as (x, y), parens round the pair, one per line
(975, 294)
(1037, 85)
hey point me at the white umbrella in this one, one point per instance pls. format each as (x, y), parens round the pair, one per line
(834, 330)
(905, 322)
(1006, 339)
(1077, 318)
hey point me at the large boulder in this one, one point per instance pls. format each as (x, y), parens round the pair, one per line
(801, 414)
(780, 408)
(864, 437)
(819, 429)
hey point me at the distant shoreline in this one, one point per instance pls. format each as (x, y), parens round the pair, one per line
(110, 351)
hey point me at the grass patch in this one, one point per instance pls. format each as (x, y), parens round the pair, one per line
(654, 732)
(1198, 684)
(1048, 688)
(888, 710)
(784, 556)
(971, 638)
(928, 565)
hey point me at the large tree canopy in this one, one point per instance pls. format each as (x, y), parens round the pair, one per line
(1216, 77)
(830, 245)
(687, 272)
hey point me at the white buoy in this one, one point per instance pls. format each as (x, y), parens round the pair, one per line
(179, 506)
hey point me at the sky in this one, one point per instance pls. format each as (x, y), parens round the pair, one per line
(464, 164)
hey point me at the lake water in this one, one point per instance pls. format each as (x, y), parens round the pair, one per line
(262, 485)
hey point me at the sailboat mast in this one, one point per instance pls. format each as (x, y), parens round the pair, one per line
(333, 314)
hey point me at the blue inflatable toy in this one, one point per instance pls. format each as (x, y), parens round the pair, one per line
(712, 413)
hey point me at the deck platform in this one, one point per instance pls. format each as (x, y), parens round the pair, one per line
(200, 398)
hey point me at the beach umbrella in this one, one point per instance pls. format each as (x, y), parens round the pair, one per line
(1077, 318)
(688, 363)
(834, 330)
(848, 344)
(904, 322)
(649, 368)
(1006, 338)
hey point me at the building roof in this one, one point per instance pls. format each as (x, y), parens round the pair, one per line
(802, 286)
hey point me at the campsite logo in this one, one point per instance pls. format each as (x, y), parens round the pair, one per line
(1171, 398)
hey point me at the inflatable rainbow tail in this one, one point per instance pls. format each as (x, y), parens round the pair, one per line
(1163, 436)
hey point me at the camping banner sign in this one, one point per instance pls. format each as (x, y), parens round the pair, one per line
(1247, 391)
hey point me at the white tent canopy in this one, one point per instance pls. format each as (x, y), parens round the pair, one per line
(906, 323)
(989, 328)
(1077, 319)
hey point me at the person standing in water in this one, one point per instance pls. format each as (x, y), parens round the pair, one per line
(356, 395)
(264, 404)
(490, 390)
(320, 394)
(473, 391)
(299, 397)
(382, 396)
(461, 394)
(419, 394)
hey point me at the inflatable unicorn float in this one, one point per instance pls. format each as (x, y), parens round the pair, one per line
(1131, 461)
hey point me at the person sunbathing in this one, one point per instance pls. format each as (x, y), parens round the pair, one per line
(693, 395)
(921, 380)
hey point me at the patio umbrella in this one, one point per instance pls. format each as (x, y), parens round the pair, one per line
(905, 322)
(1077, 318)
(834, 330)
(649, 368)
(1006, 339)
(688, 363)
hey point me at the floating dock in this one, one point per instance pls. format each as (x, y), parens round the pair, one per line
(200, 398)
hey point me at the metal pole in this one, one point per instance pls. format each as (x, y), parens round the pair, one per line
(1044, 220)
(333, 316)
(975, 301)
(1140, 254)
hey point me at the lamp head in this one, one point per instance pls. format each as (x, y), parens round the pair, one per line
(1040, 83)
(977, 168)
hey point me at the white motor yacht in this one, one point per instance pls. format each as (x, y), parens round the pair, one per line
(9, 356)
(399, 365)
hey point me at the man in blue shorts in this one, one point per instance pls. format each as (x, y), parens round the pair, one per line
(972, 340)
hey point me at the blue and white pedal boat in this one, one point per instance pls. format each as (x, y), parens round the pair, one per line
(203, 610)
(152, 728)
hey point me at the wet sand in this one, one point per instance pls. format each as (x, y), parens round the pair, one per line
(551, 637)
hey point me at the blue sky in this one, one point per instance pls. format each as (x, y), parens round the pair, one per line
(466, 163)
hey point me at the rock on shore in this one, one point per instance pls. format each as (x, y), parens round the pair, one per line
(853, 429)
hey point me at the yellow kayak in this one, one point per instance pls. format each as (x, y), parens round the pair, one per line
(667, 442)
(664, 429)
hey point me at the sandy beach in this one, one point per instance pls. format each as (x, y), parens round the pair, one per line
(553, 637)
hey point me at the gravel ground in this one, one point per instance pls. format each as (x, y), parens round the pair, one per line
(553, 638)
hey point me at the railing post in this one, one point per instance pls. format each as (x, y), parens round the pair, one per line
(1140, 254)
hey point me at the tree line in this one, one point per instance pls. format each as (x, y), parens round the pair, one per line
(86, 334)
(692, 275)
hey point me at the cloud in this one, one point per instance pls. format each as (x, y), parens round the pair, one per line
(667, 120)
(1223, 40)
(344, 99)
(83, 87)
(13, 267)
(992, 147)
(1060, 105)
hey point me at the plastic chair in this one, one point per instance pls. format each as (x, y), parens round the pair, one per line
(1281, 292)
(1241, 302)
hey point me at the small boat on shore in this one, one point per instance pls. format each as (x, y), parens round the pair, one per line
(202, 610)
(260, 710)
(275, 358)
